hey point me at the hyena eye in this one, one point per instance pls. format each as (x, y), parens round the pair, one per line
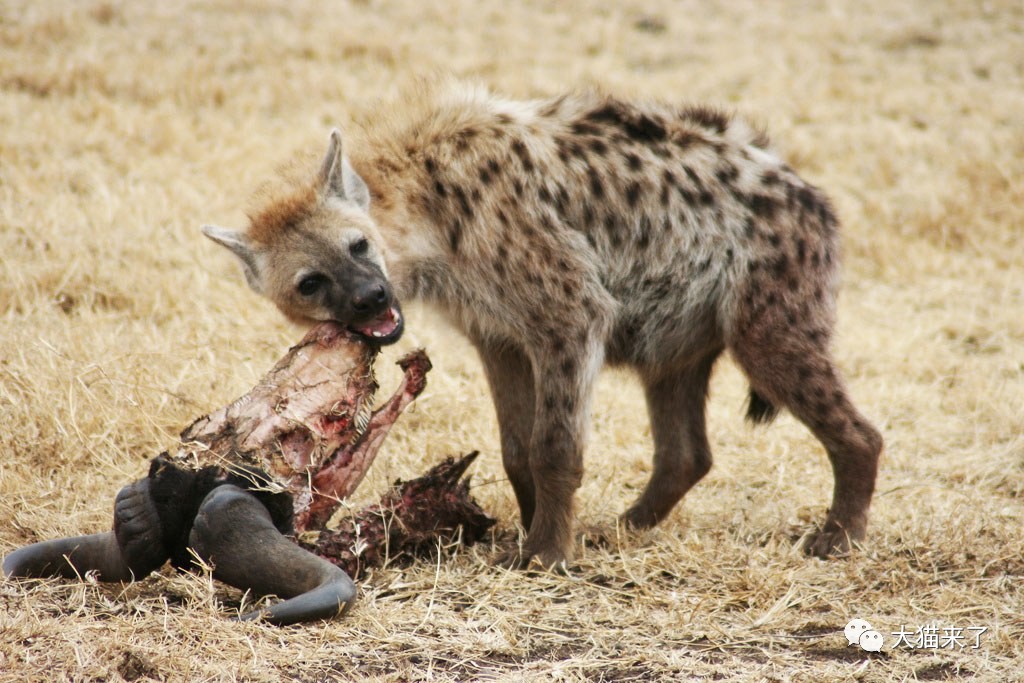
(311, 284)
(359, 247)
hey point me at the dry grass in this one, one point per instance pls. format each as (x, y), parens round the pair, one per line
(123, 126)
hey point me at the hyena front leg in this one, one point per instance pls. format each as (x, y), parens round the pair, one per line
(563, 381)
(682, 456)
(510, 376)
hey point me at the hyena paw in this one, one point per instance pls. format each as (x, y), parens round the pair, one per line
(137, 528)
(522, 558)
(639, 517)
(833, 540)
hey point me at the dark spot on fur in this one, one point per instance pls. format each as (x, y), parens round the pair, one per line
(706, 198)
(596, 184)
(638, 126)
(563, 200)
(644, 238)
(584, 128)
(455, 236)
(430, 165)
(808, 200)
(440, 189)
(801, 250)
(707, 117)
(763, 206)
(749, 229)
(502, 216)
(779, 265)
(664, 196)
(694, 178)
(633, 161)
(588, 214)
(460, 197)
(633, 194)
(727, 174)
(517, 187)
(770, 178)
(774, 239)
(519, 148)
(598, 146)
(685, 138)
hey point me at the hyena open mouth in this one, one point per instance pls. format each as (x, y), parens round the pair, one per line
(384, 329)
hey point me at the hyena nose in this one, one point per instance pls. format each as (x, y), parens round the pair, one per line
(370, 298)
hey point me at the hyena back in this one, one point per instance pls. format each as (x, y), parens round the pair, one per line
(565, 233)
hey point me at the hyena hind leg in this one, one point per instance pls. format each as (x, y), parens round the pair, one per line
(797, 372)
(682, 456)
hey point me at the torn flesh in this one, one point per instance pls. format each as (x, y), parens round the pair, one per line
(307, 428)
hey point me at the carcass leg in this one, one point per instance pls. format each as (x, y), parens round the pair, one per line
(234, 533)
(130, 551)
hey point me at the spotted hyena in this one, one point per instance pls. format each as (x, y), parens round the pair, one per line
(565, 233)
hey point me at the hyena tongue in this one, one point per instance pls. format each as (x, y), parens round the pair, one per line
(382, 326)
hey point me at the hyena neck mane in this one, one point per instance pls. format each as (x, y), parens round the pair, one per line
(424, 164)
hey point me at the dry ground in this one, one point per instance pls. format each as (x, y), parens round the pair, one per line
(123, 126)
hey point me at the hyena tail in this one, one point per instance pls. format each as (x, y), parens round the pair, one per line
(760, 410)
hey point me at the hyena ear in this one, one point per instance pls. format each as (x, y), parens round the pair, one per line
(339, 178)
(241, 246)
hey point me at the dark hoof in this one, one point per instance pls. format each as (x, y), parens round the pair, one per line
(138, 529)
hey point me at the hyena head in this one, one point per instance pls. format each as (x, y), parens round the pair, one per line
(317, 254)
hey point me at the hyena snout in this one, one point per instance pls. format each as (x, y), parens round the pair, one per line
(371, 299)
(374, 312)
